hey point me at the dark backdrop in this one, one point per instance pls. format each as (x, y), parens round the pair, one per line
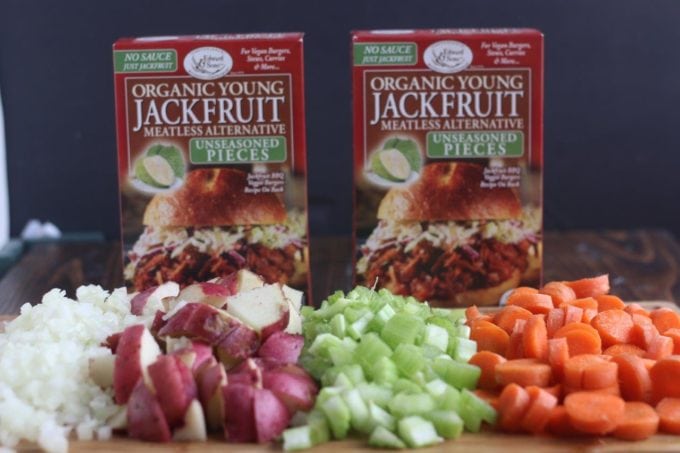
(612, 142)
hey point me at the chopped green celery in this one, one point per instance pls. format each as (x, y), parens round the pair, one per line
(465, 349)
(449, 400)
(383, 438)
(375, 393)
(341, 356)
(352, 371)
(401, 328)
(371, 349)
(349, 344)
(383, 371)
(447, 423)
(354, 312)
(436, 387)
(361, 293)
(343, 381)
(381, 317)
(459, 375)
(409, 359)
(313, 329)
(333, 298)
(376, 304)
(322, 343)
(338, 416)
(358, 327)
(436, 336)
(406, 386)
(338, 325)
(411, 404)
(464, 331)
(479, 406)
(327, 393)
(333, 309)
(316, 420)
(307, 311)
(380, 417)
(411, 308)
(298, 438)
(430, 352)
(471, 420)
(418, 432)
(360, 417)
(453, 314)
(315, 365)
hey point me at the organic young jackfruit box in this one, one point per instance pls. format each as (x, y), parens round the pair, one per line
(448, 144)
(211, 155)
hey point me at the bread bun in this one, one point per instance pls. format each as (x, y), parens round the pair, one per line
(449, 191)
(532, 274)
(214, 196)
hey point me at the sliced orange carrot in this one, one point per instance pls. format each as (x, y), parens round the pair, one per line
(505, 318)
(674, 335)
(665, 377)
(609, 302)
(524, 372)
(589, 372)
(664, 319)
(559, 424)
(639, 422)
(613, 390)
(633, 377)
(535, 338)
(594, 412)
(669, 415)
(649, 363)
(614, 326)
(535, 303)
(572, 314)
(541, 403)
(522, 290)
(558, 354)
(513, 403)
(489, 337)
(642, 335)
(636, 309)
(619, 349)
(640, 319)
(590, 287)
(472, 313)
(582, 339)
(559, 292)
(660, 347)
(515, 347)
(554, 321)
(488, 396)
(589, 306)
(487, 361)
(555, 390)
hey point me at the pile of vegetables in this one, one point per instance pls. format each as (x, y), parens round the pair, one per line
(570, 359)
(392, 369)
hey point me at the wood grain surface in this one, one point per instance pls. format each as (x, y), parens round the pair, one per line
(643, 265)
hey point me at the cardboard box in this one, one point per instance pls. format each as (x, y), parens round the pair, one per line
(211, 156)
(448, 145)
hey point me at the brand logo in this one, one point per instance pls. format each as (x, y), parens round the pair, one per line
(448, 56)
(208, 63)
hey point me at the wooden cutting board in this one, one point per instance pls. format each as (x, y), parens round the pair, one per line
(487, 441)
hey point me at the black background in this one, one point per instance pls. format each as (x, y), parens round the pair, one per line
(612, 143)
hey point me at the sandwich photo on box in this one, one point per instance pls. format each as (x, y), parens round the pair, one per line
(210, 227)
(426, 244)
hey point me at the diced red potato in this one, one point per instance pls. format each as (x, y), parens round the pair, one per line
(145, 418)
(239, 422)
(174, 387)
(212, 294)
(265, 309)
(296, 392)
(283, 347)
(136, 350)
(240, 281)
(210, 380)
(193, 427)
(151, 300)
(270, 415)
(240, 343)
